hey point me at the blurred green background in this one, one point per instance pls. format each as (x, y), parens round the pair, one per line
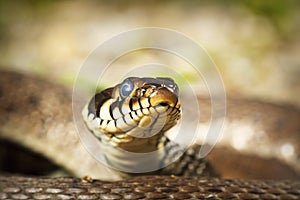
(254, 43)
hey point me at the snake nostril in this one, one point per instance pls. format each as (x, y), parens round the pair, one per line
(163, 104)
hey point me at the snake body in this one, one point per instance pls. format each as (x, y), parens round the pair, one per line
(146, 187)
(37, 114)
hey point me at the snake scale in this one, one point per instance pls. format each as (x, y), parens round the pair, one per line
(37, 114)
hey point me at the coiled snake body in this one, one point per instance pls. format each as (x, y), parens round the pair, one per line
(37, 114)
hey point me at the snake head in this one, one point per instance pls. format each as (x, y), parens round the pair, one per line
(134, 111)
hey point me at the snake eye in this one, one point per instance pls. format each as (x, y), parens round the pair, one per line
(126, 88)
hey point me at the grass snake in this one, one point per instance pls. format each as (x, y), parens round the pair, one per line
(37, 114)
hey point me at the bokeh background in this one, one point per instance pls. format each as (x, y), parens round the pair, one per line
(255, 44)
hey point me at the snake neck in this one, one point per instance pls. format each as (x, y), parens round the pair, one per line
(163, 153)
(141, 145)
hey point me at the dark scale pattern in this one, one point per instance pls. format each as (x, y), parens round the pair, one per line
(96, 102)
(146, 187)
(190, 164)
